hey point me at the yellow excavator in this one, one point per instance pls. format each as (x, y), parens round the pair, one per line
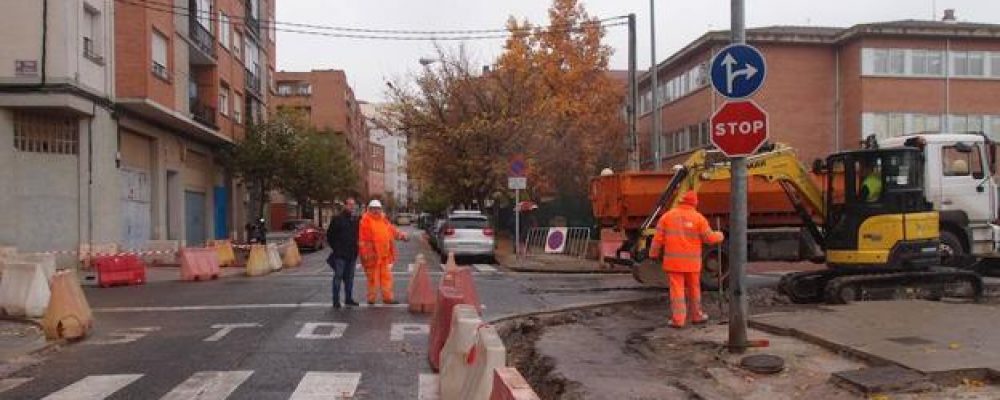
(871, 224)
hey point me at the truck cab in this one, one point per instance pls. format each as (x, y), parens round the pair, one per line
(959, 180)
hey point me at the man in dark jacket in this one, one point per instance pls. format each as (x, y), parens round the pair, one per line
(342, 236)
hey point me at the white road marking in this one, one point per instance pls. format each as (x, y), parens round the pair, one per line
(429, 387)
(309, 329)
(208, 385)
(124, 336)
(398, 332)
(225, 307)
(484, 268)
(10, 383)
(224, 330)
(327, 385)
(94, 387)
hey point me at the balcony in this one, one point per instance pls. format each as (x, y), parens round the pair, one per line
(202, 38)
(203, 113)
(253, 83)
(251, 21)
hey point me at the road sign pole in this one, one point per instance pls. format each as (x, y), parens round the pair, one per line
(633, 98)
(738, 308)
(517, 226)
(654, 72)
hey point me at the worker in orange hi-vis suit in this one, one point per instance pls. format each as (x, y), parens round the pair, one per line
(681, 232)
(377, 249)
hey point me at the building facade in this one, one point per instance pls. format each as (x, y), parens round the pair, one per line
(829, 88)
(376, 171)
(395, 182)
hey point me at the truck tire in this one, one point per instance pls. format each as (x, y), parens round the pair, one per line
(952, 253)
(713, 261)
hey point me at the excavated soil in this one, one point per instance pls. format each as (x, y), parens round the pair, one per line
(626, 352)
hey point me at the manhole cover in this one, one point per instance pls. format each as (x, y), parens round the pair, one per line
(763, 364)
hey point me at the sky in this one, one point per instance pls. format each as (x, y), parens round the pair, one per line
(370, 63)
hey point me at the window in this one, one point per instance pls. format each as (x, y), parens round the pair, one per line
(225, 37)
(926, 62)
(238, 108)
(889, 61)
(959, 163)
(237, 44)
(204, 13)
(897, 61)
(91, 30)
(284, 89)
(694, 137)
(224, 99)
(995, 127)
(45, 133)
(881, 61)
(977, 65)
(995, 65)
(969, 63)
(160, 55)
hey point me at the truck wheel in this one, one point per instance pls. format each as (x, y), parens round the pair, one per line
(714, 262)
(951, 250)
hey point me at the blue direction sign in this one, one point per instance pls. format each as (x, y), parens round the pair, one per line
(738, 71)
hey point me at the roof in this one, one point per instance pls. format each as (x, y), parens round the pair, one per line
(935, 138)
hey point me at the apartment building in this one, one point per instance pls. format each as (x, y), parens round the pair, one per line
(395, 183)
(190, 76)
(59, 181)
(328, 101)
(376, 171)
(828, 88)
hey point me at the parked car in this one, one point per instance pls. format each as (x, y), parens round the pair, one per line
(467, 234)
(403, 219)
(305, 233)
(434, 233)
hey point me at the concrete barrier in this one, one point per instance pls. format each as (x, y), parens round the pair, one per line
(448, 297)
(46, 260)
(168, 252)
(292, 258)
(257, 261)
(488, 354)
(508, 384)
(24, 290)
(455, 353)
(273, 258)
(68, 315)
(420, 292)
(224, 250)
(199, 263)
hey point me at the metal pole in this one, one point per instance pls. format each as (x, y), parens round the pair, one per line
(654, 70)
(633, 98)
(517, 224)
(738, 309)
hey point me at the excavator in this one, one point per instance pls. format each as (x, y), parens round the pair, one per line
(878, 241)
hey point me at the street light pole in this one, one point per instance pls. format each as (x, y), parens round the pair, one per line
(738, 308)
(654, 70)
(633, 98)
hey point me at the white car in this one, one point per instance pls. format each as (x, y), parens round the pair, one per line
(467, 234)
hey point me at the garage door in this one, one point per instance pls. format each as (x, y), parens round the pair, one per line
(194, 218)
(136, 208)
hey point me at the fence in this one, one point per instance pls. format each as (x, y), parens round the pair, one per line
(577, 241)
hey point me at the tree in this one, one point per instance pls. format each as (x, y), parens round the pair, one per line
(320, 169)
(257, 158)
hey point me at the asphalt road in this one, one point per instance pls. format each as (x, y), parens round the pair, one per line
(273, 337)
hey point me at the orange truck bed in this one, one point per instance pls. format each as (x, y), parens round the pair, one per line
(624, 200)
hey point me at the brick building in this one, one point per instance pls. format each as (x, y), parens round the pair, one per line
(376, 171)
(189, 79)
(828, 88)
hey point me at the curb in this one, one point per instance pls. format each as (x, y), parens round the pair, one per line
(571, 271)
(570, 308)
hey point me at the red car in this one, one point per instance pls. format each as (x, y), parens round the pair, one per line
(306, 234)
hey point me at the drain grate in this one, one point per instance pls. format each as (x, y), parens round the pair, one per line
(881, 379)
(911, 340)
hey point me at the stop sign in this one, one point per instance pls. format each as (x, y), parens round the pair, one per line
(739, 128)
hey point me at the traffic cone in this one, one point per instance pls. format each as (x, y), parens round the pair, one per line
(420, 293)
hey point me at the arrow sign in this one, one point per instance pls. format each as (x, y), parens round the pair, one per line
(738, 71)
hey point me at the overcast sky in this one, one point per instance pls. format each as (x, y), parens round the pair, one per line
(369, 63)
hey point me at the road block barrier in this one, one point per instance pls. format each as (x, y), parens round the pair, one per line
(46, 260)
(68, 315)
(420, 293)
(224, 250)
(447, 298)
(488, 354)
(450, 264)
(163, 252)
(466, 284)
(7, 252)
(465, 322)
(292, 258)
(257, 262)
(24, 290)
(509, 384)
(199, 264)
(120, 270)
(273, 258)
(88, 252)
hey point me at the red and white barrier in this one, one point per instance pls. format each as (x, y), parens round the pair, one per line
(488, 354)
(462, 337)
(509, 384)
(120, 270)
(199, 263)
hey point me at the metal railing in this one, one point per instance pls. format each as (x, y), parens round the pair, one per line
(577, 241)
(160, 70)
(253, 82)
(203, 113)
(251, 20)
(202, 37)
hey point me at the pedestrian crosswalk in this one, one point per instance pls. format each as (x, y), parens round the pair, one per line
(220, 385)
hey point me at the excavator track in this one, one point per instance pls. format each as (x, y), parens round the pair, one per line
(923, 284)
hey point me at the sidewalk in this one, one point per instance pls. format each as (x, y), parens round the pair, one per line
(19, 339)
(551, 263)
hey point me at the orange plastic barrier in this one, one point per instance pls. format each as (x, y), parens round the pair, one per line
(68, 315)
(508, 384)
(224, 249)
(420, 293)
(199, 263)
(447, 298)
(292, 258)
(467, 286)
(257, 262)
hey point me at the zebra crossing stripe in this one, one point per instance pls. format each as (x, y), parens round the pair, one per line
(94, 387)
(208, 385)
(10, 383)
(327, 385)
(428, 387)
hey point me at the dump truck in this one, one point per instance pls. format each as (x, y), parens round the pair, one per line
(872, 246)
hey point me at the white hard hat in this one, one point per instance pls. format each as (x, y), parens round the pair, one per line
(607, 172)
(375, 204)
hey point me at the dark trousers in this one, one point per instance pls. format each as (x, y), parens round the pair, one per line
(343, 271)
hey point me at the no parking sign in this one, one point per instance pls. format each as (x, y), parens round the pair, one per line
(555, 242)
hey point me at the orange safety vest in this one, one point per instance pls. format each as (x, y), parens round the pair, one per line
(681, 232)
(375, 239)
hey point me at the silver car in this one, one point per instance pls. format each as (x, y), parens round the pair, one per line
(467, 234)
